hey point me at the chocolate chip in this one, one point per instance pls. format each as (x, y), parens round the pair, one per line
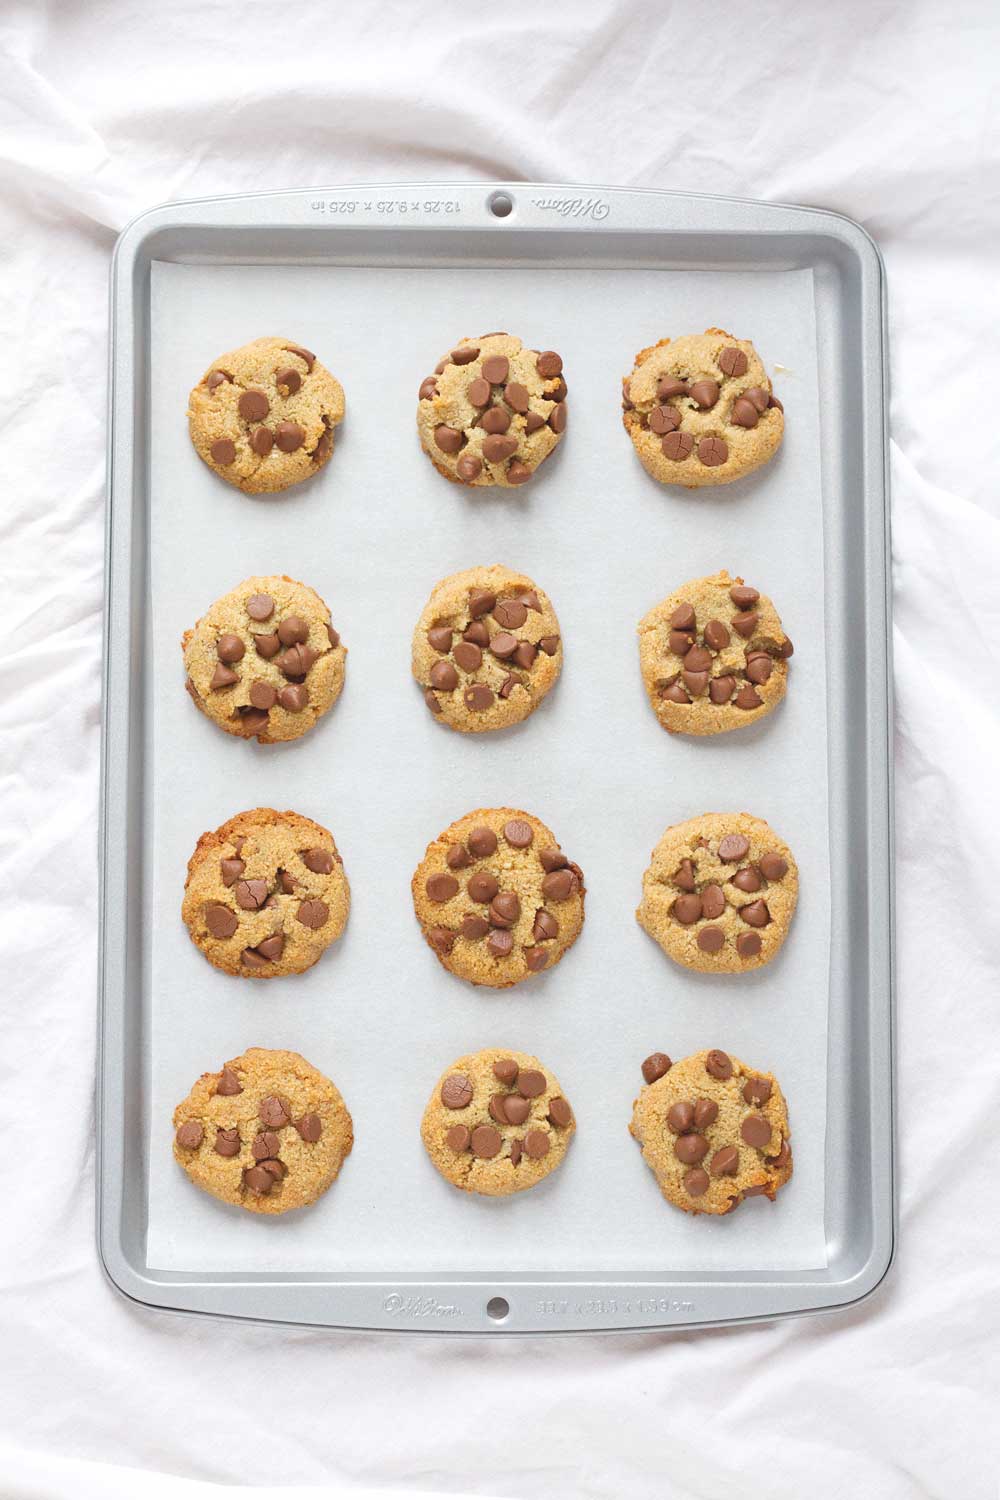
(516, 396)
(474, 927)
(557, 393)
(696, 1182)
(262, 695)
(552, 859)
(533, 421)
(786, 649)
(481, 601)
(756, 1131)
(549, 364)
(189, 1135)
(227, 1142)
(711, 939)
(223, 677)
(231, 870)
(664, 419)
(253, 406)
(496, 1109)
(747, 879)
(557, 417)
(258, 1180)
(725, 1162)
(265, 1144)
(319, 860)
(324, 447)
(706, 1112)
(683, 617)
(456, 1091)
(439, 637)
(486, 1141)
(677, 445)
(743, 596)
(713, 902)
(441, 887)
(458, 1137)
(704, 393)
(757, 1090)
(719, 1065)
(773, 401)
(223, 452)
(748, 944)
(773, 867)
(469, 467)
(272, 948)
(464, 355)
(500, 943)
(482, 887)
(496, 368)
(294, 698)
(732, 361)
(759, 668)
(687, 909)
(444, 677)
(760, 398)
(698, 659)
(482, 841)
(695, 682)
(503, 644)
(478, 697)
(655, 1066)
(510, 613)
(516, 1149)
(744, 413)
(690, 1148)
(448, 439)
(273, 1112)
(262, 441)
(549, 644)
(478, 391)
(559, 885)
(275, 1168)
(505, 1069)
(680, 642)
(313, 913)
(289, 378)
(441, 939)
(530, 1083)
(229, 648)
(559, 1112)
(505, 909)
(756, 914)
(516, 1108)
(712, 451)
(716, 635)
(668, 386)
(251, 894)
(536, 1144)
(296, 660)
(495, 420)
(251, 959)
(497, 447)
(524, 656)
(293, 630)
(675, 693)
(260, 607)
(220, 921)
(745, 624)
(720, 689)
(267, 646)
(732, 847)
(215, 379)
(546, 927)
(747, 698)
(518, 832)
(288, 882)
(680, 1116)
(783, 1157)
(304, 354)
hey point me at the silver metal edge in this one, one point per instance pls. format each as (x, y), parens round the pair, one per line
(425, 1306)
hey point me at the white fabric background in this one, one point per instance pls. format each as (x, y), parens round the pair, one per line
(884, 111)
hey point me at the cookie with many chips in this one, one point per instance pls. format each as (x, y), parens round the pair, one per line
(496, 898)
(486, 649)
(497, 1123)
(262, 417)
(267, 1133)
(492, 411)
(700, 410)
(266, 894)
(712, 1130)
(265, 660)
(720, 893)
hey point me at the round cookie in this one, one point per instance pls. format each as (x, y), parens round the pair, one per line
(492, 411)
(265, 894)
(486, 649)
(700, 409)
(496, 898)
(263, 416)
(265, 660)
(713, 656)
(497, 1123)
(713, 1130)
(267, 1133)
(720, 893)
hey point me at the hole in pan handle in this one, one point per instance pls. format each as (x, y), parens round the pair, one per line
(498, 1308)
(500, 205)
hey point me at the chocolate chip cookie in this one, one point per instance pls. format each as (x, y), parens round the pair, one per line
(497, 899)
(267, 1133)
(263, 416)
(497, 1123)
(492, 411)
(720, 893)
(714, 656)
(486, 649)
(266, 894)
(265, 660)
(700, 409)
(713, 1130)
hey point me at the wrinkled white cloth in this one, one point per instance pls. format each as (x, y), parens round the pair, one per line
(886, 112)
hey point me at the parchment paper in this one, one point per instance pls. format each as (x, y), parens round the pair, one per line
(372, 534)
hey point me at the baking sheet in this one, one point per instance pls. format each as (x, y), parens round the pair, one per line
(372, 534)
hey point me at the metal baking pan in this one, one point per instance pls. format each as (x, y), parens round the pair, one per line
(380, 279)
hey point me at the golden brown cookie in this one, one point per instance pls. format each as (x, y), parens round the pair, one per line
(496, 898)
(263, 416)
(265, 660)
(267, 1133)
(497, 1122)
(492, 411)
(700, 410)
(266, 894)
(486, 649)
(713, 656)
(720, 893)
(713, 1130)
